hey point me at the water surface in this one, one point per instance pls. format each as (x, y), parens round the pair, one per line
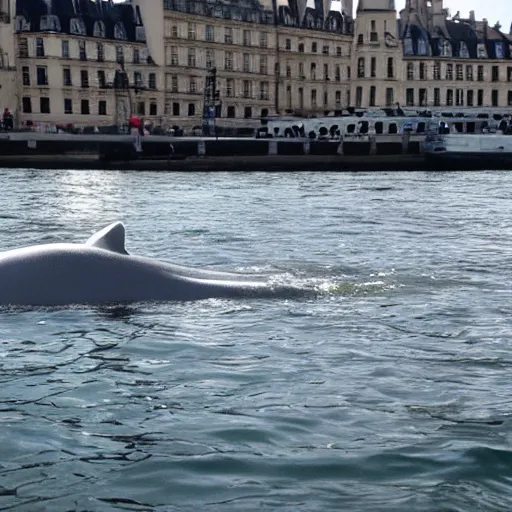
(388, 391)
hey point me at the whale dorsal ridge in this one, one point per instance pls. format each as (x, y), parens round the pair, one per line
(110, 238)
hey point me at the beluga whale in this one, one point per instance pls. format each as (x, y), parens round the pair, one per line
(102, 272)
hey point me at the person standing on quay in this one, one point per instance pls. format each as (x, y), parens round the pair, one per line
(136, 130)
(7, 120)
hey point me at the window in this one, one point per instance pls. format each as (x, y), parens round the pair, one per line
(480, 97)
(65, 49)
(174, 83)
(23, 48)
(409, 97)
(228, 61)
(138, 80)
(359, 96)
(174, 31)
(246, 63)
(210, 59)
(99, 29)
(263, 39)
(152, 81)
(423, 74)
(191, 30)
(230, 88)
(337, 96)
(174, 56)
(372, 96)
(247, 89)
(263, 65)
(313, 47)
(84, 78)
(313, 98)
(66, 77)
(264, 112)
(360, 67)
(191, 57)
(338, 51)
(469, 73)
(301, 48)
(391, 67)
(141, 108)
(459, 97)
(410, 71)
(84, 107)
(26, 75)
(288, 44)
(39, 47)
(495, 98)
(42, 75)
(192, 84)
(326, 71)
(102, 82)
(337, 74)
(102, 108)
(495, 74)
(325, 50)
(231, 111)
(480, 73)
(423, 98)
(228, 35)
(210, 33)
(459, 72)
(301, 70)
(191, 109)
(373, 67)
(44, 105)
(26, 105)
(119, 55)
(449, 72)
(82, 50)
(68, 106)
(264, 89)
(469, 98)
(313, 71)
(449, 97)
(437, 71)
(175, 109)
(247, 112)
(100, 52)
(509, 98)
(360, 39)
(136, 56)
(390, 96)
(153, 109)
(247, 38)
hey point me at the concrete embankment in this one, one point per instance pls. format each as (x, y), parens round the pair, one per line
(66, 151)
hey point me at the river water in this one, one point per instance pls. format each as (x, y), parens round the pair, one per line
(389, 390)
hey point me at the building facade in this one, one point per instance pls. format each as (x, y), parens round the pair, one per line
(83, 63)
(269, 58)
(425, 59)
(92, 62)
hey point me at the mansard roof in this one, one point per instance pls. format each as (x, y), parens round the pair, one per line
(457, 39)
(98, 18)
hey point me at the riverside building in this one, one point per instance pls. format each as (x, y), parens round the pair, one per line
(92, 62)
(427, 59)
(80, 62)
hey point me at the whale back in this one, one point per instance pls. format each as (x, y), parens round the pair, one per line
(112, 238)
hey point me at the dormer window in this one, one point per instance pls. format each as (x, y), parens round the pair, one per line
(99, 29)
(120, 32)
(21, 24)
(50, 23)
(446, 49)
(77, 26)
(463, 50)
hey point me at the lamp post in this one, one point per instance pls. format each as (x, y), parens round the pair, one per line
(211, 101)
